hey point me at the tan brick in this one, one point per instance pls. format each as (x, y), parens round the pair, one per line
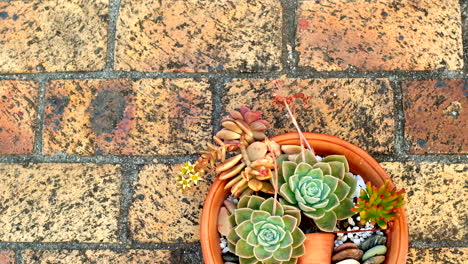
(199, 36)
(52, 36)
(437, 256)
(101, 257)
(160, 213)
(18, 115)
(380, 35)
(124, 117)
(7, 257)
(59, 202)
(436, 198)
(357, 110)
(436, 116)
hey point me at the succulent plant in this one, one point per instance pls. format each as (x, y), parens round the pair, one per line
(264, 231)
(322, 190)
(379, 205)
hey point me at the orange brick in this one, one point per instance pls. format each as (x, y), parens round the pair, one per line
(380, 35)
(7, 257)
(125, 117)
(18, 115)
(199, 36)
(357, 110)
(52, 36)
(436, 116)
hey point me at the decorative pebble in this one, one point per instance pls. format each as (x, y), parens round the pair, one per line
(351, 221)
(344, 246)
(348, 261)
(351, 253)
(373, 241)
(375, 251)
(230, 257)
(375, 260)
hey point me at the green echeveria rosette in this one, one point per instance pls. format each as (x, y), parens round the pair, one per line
(260, 236)
(322, 190)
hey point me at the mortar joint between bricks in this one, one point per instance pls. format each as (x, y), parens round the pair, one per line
(114, 9)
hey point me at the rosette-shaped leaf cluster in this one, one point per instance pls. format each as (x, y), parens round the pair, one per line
(264, 231)
(379, 205)
(322, 190)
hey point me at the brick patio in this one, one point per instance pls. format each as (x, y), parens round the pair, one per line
(100, 101)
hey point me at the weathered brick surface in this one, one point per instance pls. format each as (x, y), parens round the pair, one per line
(199, 36)
(437, 256)
(437, 208)
(160, 213)
(125, 117)
(47, 35)
(99, 256)
(18, 115)
(357, 110)
(380, 35)
(436, 116)
(59, 202)
(7, 257)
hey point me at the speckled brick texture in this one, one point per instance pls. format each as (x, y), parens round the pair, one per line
(437, 256)
(59, 202)
(53, 36)
(437, 208)
(7, 257)
(18, 115)
(379, 35)
(160, 212)
(357, 110)
(436, 116)
(199, 36)
(125, 117)
(101, 257)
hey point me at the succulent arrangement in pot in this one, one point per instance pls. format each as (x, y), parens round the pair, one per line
(294, 198)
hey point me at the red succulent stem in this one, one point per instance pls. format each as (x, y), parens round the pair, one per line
(357, 231)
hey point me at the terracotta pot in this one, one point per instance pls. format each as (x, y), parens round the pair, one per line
(318, 248)
(360, 163)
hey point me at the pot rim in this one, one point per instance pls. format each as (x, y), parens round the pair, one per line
(207, 223)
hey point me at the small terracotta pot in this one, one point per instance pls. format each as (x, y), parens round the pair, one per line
(359, 162)
(318, 248)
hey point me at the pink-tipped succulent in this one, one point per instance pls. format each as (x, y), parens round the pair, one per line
(379, 205)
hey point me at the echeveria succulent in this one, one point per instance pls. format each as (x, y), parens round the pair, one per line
(264, 234)
(322, 190)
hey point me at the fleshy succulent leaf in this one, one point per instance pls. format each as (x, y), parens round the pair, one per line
(287, 240)
(327, 222)
(243, 249)
(283, 254)
(309, 158)
(288, 169)
(243, 229)
(331, 181)
(298, 237)
(338, 169)
(351, 182)
(252, 260)
(255, 202)
(339, 158)
(242, 214)
(243, 201)
(325, 167)
(298, 251)
(318, 213)
(343, 210)
(302, 169)
(287, 194)
(261, 254)
(342, 190)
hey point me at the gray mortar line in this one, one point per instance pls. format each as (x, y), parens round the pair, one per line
(289, 57)
(65, 158)
(18, 257)
(18, 246)
(40, 119)
(111, 33)
(400, 143)
(301, 73)
(421, 244)
(216, 87)
(440, 158)
(464, 16)
(130, 175)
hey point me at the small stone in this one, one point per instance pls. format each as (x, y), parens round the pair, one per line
(351, 221)
(375, 251)
(352, 253)
(375, 260)
(230, 257)
(348, 245)
(348, 261)
(373, 241)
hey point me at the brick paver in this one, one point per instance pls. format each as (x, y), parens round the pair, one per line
(199, 36)
(380, 35)
(357, 110)
(437, 256)
(7, 257)
(18, 115)
(101, 257)
(125, 117)
(52, 36)
(436, 198)
(59, 202)
(160, 213)
(436, 116)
